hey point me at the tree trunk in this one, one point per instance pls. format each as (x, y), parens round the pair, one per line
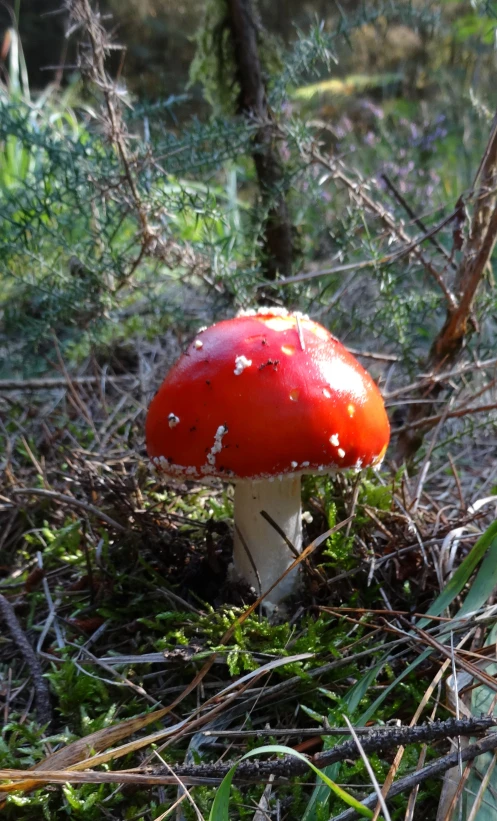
(252, 103)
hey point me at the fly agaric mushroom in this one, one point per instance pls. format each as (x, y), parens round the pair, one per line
(259, 400)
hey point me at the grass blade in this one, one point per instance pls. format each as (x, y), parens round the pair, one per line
(463, 573)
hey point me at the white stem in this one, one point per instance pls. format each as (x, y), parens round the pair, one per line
(268, 551)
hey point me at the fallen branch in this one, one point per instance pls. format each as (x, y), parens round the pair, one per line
(432, 770)
(377, 741)
(476, 253)
(43, 706)
(259, 771)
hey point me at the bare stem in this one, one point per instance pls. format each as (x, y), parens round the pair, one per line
(260, 554)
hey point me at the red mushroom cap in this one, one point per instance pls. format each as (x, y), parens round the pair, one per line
(266, 394)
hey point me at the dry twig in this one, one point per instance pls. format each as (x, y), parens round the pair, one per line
(93, 55)
(52, 382)
(68, 500)
(286, 766)
(432, 770)
(359, 194)
(476, 254)
(43, 706)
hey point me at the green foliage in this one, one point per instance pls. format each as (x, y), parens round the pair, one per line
(70, 234)
(88, 701)
(339, 546)
(68, 240)
(77, 693)
(213, 65)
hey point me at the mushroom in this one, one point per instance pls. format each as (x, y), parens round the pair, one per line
(259, 400)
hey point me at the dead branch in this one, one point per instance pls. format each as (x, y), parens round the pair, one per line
(93, 53)
(377, 741)
(419, 222)
(286, 766)
(476, 252)
(359, 193)
(43, 706)
(432, 770)
(386, 259)
(425, 380)
(429, 421)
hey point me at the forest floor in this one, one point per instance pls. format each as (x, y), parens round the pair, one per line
(124, 644)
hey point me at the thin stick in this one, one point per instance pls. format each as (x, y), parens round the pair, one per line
(427, 379)
(369, 769)
(435, 768)
(43, 706)
(51, 382)
(419, 222)
(411, 804)
(428, 421)
(483, 787)
(358, 193)
(67, 500)
(380, 357)
(301, 335)
(181, 786)
(368, 263)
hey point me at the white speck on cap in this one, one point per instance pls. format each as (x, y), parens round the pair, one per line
(218, 444)
(241, 362)
(335, 440)
(341, 452)
(294, 465)
(172, 420)
(198, 344)
(162, 465)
